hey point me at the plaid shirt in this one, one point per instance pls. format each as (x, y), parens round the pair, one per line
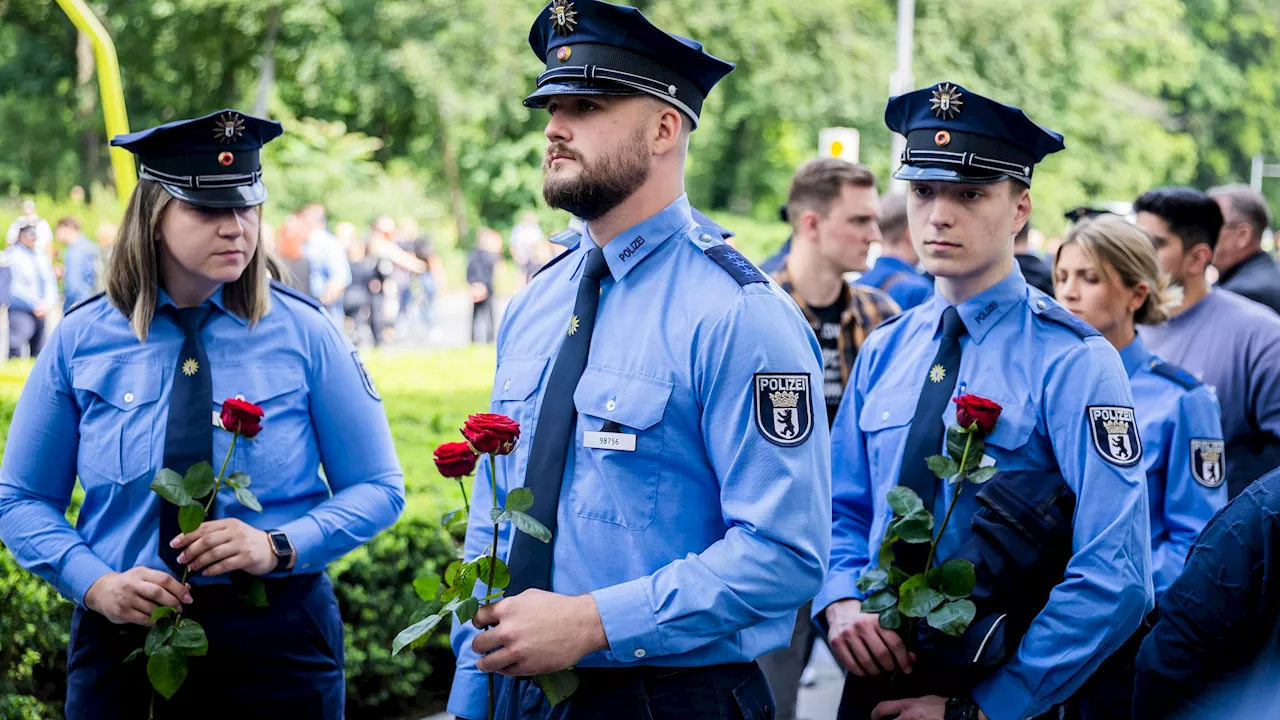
(864, 309)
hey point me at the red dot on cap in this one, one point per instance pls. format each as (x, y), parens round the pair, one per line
(564, 53)
(942, 138)
(226, 159)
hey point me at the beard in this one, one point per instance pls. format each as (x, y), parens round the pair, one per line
(600, 185)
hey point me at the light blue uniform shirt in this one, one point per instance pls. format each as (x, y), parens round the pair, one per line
(96, 405)
(907, 287)
(328, 261)
(1181, 429)
(700, 545)
(34, 284)
(1045, 376)
(80, 271)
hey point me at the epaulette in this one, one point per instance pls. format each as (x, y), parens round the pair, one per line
(724, 255)
(84, 302)
(891, 320)
(281, 287)
(555, 259)
(1175, 373)
(1054, 312)
(564, 238)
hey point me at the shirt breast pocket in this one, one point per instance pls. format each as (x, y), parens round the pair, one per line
(620, 486)
(117, 420)
(286, 425)
(1014, 428)
(884, 421)
(515, 394)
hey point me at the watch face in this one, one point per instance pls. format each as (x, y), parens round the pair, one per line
(281, 543)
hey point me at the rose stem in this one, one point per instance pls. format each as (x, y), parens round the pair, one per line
(964, 474)
(493, 557)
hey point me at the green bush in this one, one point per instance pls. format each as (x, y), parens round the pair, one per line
(34, 627)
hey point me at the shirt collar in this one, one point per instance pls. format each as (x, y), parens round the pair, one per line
(634, 244)
(163, 300)
(983, 311)
(893, 264)
(1135, 356)
(1258, 258)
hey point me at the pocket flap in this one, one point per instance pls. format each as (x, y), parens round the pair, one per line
(1017, 420)
(888, 409)
(518, 378)
(631, 400)
(256, 385)
(125, 386)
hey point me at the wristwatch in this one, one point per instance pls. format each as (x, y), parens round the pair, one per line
(283, 549)
(961, 708)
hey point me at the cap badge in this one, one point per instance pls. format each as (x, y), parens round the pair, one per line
(946, 101)
(564, 18)
(228, 128)
(564, 53)
(942, 139)
(225, 159)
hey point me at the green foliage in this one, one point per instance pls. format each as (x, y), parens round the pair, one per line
(34, 625)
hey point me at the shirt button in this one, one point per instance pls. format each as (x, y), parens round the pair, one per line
(1042, 305)
(611, 406)
(240, 398)
(639, 652)
(885, 416)
(128, 397)
(506, 385)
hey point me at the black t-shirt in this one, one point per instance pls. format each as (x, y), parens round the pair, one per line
(829, 340)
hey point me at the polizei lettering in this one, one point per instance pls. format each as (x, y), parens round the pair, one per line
(631, 249)
(773, 384)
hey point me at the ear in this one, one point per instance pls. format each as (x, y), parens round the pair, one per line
(1139, 294)
(668, 125)
(1022, 211)
(807, 224)
(1201, 256)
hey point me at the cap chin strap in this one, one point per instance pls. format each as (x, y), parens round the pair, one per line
(200, 182)
(649, 86)
(1012, 170)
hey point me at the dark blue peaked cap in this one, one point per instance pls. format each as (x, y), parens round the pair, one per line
(211, 161)
(954, 135)
(597, 48)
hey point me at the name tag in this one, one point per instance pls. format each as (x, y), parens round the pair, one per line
(609, 441)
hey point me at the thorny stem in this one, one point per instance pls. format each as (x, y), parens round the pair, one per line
(217, 485)
(955, 495)
(466, 504)
(493, 557)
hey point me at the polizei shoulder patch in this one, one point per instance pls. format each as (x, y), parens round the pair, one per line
(1115, 434)
(784, 407)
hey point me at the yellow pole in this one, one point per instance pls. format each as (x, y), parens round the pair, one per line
(109, 85)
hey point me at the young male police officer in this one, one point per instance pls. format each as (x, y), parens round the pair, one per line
(666, 393)
(1066, 405)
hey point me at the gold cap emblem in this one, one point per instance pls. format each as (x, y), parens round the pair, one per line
(564, 53)
(942, 139)
(946, 101)
(228, 128)
(564, 18)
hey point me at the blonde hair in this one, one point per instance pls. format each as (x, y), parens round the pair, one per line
(133, 274)
(1116, 245)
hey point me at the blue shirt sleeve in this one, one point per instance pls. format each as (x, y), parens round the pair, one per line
(775, 500)
(356, 450)
(38, 475)
(1108, 578)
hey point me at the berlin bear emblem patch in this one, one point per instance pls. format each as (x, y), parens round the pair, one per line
(1115, 434)
(784, 407)
(1208, 464)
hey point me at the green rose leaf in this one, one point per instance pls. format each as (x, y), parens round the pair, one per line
(427, 587)
(158, 635)
(255, 594)
(982, 474)
(956, 439)
(942, 466)
(975, 452)
(914, 528)
(520, 499)
(239, 480)
(137, 653)
(189, 637)
(954, 578)
(451, 573)
(896, 577)
(529, 526)
(873, 580)
(497, 515)
(467, 579)
(891, 618)
(886, 557)
(169, 485)
(557, 686)
(449, 595)
(879, 602)
(501, 574)
(916, 602)
(161, 612)
(246, 498)
(454, 518)
(467, 610)
(415, 631)
(167, 669)
(199, 481)
(919, 580)
(953, 618)
(904, 501)
(190, 517)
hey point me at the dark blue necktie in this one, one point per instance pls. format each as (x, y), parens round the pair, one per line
(188, 439)
(530, 558)
(924, 439)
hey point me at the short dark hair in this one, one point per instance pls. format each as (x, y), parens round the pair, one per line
(819, 182)
(1248, 205)
(1191, 215)
(70, 222)
(893, 219)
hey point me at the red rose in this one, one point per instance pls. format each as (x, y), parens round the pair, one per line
(455, 459)
(241, 418)
(490, 433)
(972, 409)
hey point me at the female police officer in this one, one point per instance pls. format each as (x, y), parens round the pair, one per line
(1106, 273)
(130, 384)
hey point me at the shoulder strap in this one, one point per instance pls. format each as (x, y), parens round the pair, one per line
(1176, 374)
(554, 260)
(84, 302)
(282, 288)
(1056, 313)
(891, 280)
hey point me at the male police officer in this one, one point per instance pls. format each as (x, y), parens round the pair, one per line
(1066, 405)
(666, 391)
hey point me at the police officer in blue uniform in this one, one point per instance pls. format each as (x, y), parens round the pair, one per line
(671, 433)
(132, 382)
(1067, 409)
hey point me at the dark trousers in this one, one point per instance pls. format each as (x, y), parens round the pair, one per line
(482, 322)
(720, 692)
(282, 661)
(784, 667)
(25, 330)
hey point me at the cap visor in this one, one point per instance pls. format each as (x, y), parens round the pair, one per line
(540, 96)
(934, 174)
(242, 196)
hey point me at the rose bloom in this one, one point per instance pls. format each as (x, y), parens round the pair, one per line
(491, 433)
(972, 409)
(455, 459)
(242, 418)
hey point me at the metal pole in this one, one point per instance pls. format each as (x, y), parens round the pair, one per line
(902, 79)
(1257, 172)
(111, 88)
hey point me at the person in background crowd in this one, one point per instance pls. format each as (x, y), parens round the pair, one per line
(1242, 265)
(525, 237)
(33, 294)
(420, 245)
(363, 300)
(80, 261)
(290, 249)
(1038, 275)
(480, 271)
(1229, 342)
(1213, 653)
(773, 263)
(395, 265)
(834, 211)
(105, 236)
(29, 217)
(330, 270)
(895, 270)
